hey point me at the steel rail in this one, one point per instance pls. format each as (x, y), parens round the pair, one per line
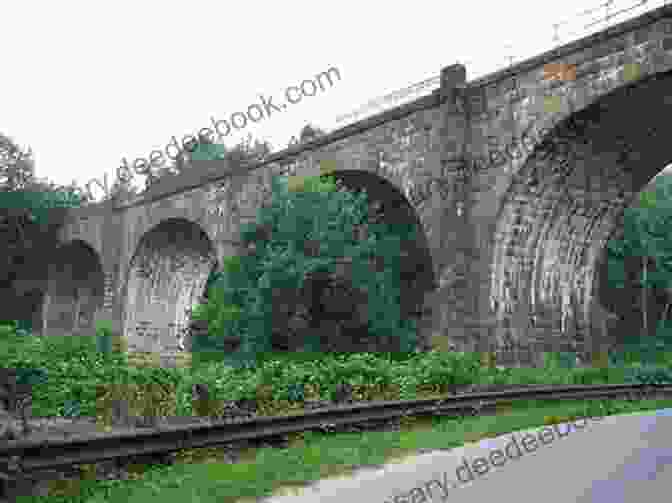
(18, 458)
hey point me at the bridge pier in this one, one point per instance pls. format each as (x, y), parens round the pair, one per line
(513, 226)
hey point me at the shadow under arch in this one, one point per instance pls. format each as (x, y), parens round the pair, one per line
(389, 206)
(74, 291)
(165, 279)
(394, 208)
(627, 303)
(568, 199)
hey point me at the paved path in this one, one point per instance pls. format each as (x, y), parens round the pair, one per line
(613, 459)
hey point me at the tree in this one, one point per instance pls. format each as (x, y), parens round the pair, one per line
(308, 133)
(641, 261)
(246, 151)
(29, 219)
(316, 274)
(17, 166)
(122, 190)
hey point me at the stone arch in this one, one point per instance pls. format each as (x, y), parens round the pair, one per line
(166, 277)
(144, 219)
(74, 291)
(392, 207)
(561, 208)
(395, 208)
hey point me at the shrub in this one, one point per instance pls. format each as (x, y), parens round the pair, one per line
(253, 291)
(14, 327)
(104, 336)
(560, 360)
(7, 328)
(31, 376)
(654, 350)
(648, 374)
(76, 371)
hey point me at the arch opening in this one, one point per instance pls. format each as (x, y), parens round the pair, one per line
(563, 206)
(331, 306)
(166, 279)
(74, 292)
(639, 309)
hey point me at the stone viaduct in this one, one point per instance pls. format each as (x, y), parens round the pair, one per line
(517, 180)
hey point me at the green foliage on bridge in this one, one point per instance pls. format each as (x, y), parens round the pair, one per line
(208, 152)
(38, 203)
(309, 232)
(642, 261)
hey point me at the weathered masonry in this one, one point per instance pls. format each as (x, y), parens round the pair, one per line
(509, 249)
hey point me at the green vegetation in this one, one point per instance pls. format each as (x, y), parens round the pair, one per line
(104, 336)
(67, 373)
(31, 211)
(314, 456)
(282, 384)
(75, 369)
(640, 271)
(243, 300)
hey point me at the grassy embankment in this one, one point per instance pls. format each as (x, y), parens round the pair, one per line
(75, 370)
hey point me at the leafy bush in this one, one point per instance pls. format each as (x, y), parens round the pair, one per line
(296, 392)
(648, 374)
(71, 408)
(647, 349)
(31, 376)
(14, 327)
(7, 328)
(600, 375)
(76, 369)
(444, 369)
(104, 336)
(560, 359)
(243, 301)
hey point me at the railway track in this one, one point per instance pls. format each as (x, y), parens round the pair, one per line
(21, 460)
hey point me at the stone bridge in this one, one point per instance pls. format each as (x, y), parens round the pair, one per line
(512, 237)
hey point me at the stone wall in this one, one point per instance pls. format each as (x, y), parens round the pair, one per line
(516, 179)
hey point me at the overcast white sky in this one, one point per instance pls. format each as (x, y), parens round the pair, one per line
(87, 83)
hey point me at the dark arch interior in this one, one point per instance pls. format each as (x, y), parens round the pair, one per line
(629, 303)
(638, 125)
(25, 249)
(75, 290)
(631, 123)
(327, 309)
(393, 208)
(561, 206)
